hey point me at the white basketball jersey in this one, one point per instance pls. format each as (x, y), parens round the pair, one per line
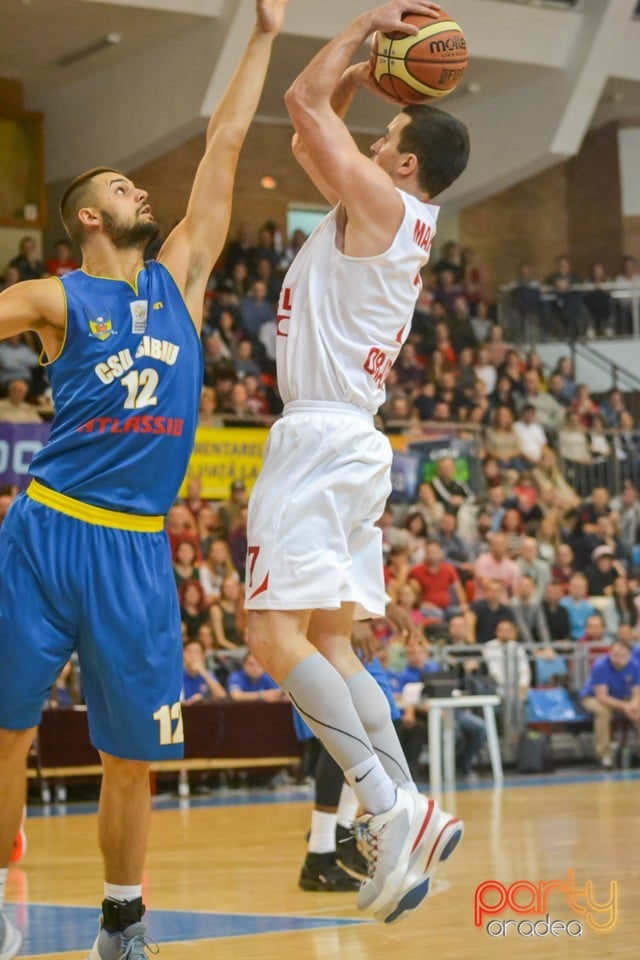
(342, 320)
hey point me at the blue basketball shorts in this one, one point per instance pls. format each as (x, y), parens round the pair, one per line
(67, 584)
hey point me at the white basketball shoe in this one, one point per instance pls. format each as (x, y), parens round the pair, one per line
(405, 846)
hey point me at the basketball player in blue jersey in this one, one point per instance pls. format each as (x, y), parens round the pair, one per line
(84, 560)
(314, 551)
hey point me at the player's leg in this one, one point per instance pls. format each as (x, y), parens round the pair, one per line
(14, 749)
(130, 656)
(319, 693)
(321, 871)
(34, 646)
(330, 632)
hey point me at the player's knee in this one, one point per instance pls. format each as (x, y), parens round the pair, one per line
(127, 774)
(15, 744)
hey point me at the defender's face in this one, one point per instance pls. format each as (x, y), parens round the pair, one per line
(127, 217)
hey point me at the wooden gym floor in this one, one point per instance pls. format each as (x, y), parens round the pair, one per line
(222, 878)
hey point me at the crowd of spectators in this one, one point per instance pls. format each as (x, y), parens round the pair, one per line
(540, 549)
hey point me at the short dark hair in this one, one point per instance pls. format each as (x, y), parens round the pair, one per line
(441, 144)
(75, 197)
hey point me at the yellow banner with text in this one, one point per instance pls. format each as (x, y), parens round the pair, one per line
(222, 455)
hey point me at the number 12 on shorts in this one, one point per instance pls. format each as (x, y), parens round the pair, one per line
(170, 719)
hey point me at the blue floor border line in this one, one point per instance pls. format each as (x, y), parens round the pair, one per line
(56, 930)
(249, 797)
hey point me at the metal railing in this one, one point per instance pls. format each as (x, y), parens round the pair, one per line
(578, 658)
(546, 317)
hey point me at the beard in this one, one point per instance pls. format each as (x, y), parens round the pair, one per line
(136, 236)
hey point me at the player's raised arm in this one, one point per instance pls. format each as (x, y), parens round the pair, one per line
(317, 101)
(195, 244)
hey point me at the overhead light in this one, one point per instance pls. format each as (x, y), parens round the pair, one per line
(268, 183)
(473, 88)
(109, 40)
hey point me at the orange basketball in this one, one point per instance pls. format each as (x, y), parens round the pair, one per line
(412, 69)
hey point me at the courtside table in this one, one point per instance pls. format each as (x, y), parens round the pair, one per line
(442, 738)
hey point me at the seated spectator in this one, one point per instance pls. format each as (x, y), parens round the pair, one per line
(438, 583)
(484, 615)
(600, 448)
(584, 405)
(181, 525)
(613, 689)
(458, 633)
(565, 566)
(550, 413)
(194, 611)
(526, 298)
(573, 447)
(574, 441)
(531, 436)
(449, 491)
(61, 263)
(532, 566)
(502, 441)
(252, 683)
(496, 346)
(485, 371)
(528, 613)
(595, 634)
(599, 303)
(627, 447)
(417, 535)
(612, 408)
(453, 546)
(229, 510)
(603, 571)
(578, 606)
(548, 538)
(255, 309)
(564, 368)
(185, 561)
(627, 507)
(624, 609)
(504, 394)
(550, 478)
(11, 277)
(214, 568)
(199, 685)
(513, 529)
(245, 362)
(481, 322)
(14, 408)
(28, 262)
(237, 541)
(495, 565)
(18, 361)
(555, 615)
(228, 616)
(505, 644)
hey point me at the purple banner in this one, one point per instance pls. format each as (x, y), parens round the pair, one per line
(19, 443)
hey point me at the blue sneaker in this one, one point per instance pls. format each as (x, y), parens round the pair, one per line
(131, 944)
(10, 939)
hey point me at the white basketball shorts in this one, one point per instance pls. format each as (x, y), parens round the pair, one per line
(312, 539)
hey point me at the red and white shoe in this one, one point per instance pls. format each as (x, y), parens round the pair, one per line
(405, 846)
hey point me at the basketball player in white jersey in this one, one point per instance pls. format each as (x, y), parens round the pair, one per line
(314, 555)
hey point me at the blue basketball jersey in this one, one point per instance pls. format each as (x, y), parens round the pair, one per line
(126, 391)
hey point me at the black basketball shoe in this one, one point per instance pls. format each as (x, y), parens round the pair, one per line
(348, 854)
(320, 872)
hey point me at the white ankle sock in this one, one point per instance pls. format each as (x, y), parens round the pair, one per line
(322, 838)
(372, 785)
(347, 806)
(114, 891)
(4, 873)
